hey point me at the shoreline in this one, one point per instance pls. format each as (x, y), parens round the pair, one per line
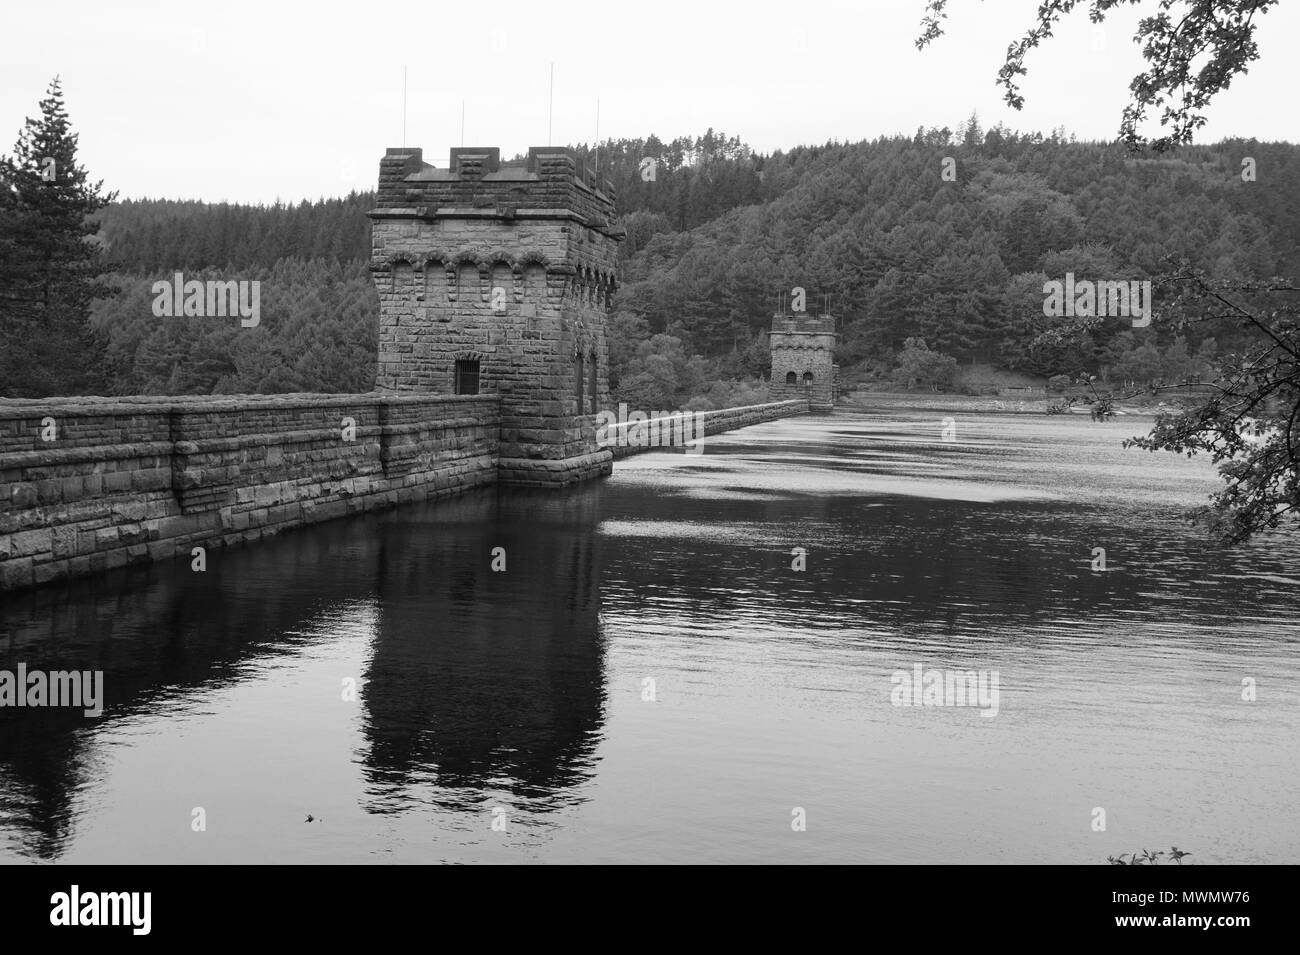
(872, 401)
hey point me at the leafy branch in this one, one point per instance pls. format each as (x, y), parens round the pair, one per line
(1190, 61)
(1249, 424)
(1147, 857)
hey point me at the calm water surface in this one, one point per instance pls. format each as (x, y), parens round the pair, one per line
(523, 692)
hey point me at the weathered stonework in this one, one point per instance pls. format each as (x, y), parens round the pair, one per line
(802, 352)
(130, 480)
(512, 267)
(725, 419)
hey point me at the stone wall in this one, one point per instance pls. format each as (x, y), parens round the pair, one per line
(136, 479)
(534, 339)
(129, 480)
(716, 422)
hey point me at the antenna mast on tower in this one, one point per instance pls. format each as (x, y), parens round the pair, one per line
(550, 107)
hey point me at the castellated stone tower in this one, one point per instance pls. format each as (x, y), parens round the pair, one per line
(803, 349)
(497, 278)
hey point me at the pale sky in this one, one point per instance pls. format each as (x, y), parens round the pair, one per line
(254, 101)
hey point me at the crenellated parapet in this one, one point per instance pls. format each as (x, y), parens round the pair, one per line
(550, 180)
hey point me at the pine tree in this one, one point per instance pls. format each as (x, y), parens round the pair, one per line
(50, 271)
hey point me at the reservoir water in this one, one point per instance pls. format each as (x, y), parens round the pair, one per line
(649, 679)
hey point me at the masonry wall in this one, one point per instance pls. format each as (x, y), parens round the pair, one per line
(526, 338)
(716, 422)
(137, 479)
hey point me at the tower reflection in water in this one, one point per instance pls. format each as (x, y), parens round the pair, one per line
(476, 683)
(486, 680)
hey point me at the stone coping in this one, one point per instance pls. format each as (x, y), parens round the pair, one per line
(156, 404)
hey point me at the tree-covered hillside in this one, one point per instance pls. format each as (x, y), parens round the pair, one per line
(900, 253)
(148, 235)
(719, 234)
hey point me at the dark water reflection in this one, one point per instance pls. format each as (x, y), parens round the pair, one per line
(479, 675)
(521, 696)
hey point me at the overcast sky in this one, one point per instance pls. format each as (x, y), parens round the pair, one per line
(254, 101)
